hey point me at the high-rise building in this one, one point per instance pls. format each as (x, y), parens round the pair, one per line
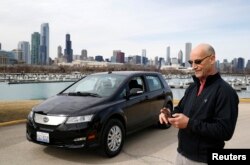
(241, 64)
(187, 55)
(156, 62)
(68, 51)
(248, 66)
(180, 57)
(84, 54)
(59, 52)
(0, 46)
(168, 58)
(35, 43)
(118, 56)
(44, 44)
(143, 56)
(24, 46)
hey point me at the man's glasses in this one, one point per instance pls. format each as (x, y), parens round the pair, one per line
(197, 61)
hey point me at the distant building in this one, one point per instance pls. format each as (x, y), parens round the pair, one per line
(99, 58)
(174, 60)
(156, 62)
(59, 52)
(84, 54)
(44, 45)
(118, 56)
(180, 57)
(0, 46)
(187, 55)
(35, 43)
(240, 64)
(7, 57)
(168, 58)
(24, 46)
(248, 66)
(18, 55)
(68, 51)
(143, 57)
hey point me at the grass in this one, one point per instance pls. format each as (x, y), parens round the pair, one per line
(16, 110)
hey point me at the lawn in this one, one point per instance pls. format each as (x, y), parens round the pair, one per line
(16, 110)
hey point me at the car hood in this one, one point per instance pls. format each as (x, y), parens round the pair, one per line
(68, 105)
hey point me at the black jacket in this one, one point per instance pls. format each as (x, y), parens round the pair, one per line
(212, 117)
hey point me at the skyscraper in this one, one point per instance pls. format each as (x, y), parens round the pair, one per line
(241, 64)
(188, 51)
(24, 46)
(44, 45)
(180, 57)
(118, 56)
(168, 59)
(68, 52)
(143, 56)
(59, 52)
(35, 43)
(84, 54)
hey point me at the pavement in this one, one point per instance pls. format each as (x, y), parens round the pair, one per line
(149, 146)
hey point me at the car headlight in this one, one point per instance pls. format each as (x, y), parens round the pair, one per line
(79, 119)
(30, 116)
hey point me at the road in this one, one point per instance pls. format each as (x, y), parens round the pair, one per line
(149, 146)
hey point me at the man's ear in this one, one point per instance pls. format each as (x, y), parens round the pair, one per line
(213, 59)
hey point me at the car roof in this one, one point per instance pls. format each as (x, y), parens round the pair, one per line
(127, 73)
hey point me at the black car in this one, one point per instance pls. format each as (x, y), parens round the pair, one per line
(100, 109)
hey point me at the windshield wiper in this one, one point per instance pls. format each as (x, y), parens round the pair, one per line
(83, 94)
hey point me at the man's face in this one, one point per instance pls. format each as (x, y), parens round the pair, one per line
(202, 63)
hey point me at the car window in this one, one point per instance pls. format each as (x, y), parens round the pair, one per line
(153, 83)
(136, 85)
(103, 85)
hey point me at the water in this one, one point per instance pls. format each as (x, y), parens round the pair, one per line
(45, 90)
(30, 91)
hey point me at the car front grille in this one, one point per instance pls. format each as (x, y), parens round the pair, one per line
(49, 120)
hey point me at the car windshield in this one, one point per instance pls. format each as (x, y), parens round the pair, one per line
(102, 85)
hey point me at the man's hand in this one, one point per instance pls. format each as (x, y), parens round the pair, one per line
(179, 120)
(164, 115)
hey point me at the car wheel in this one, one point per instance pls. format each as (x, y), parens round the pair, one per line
(113, 137)
(165, 126)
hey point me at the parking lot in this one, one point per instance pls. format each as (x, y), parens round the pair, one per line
(149, 146)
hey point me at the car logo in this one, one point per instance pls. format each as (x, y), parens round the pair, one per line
(45, 119)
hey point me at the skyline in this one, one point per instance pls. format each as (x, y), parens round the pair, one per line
(103, 26)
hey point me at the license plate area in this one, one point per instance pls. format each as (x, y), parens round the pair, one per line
(42, 137)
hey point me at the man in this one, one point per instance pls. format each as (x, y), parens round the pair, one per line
(206, 115)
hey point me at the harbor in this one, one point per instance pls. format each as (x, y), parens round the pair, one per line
(238, 83)
(21, 78)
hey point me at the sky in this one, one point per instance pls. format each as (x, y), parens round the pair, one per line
(101, 26)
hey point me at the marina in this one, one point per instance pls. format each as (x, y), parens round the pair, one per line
(19, 78)
(42, 86)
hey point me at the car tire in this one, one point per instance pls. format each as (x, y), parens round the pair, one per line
(165, 126)
(113, 138)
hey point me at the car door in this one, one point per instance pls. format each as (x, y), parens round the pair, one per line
(156, 96)
(137, 108)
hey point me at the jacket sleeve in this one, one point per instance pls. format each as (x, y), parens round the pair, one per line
(223, 124)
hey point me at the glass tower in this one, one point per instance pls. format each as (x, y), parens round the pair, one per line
(35, 42)
(68, 52)
(44, 45)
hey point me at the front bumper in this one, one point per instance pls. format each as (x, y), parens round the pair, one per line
(70, 136)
